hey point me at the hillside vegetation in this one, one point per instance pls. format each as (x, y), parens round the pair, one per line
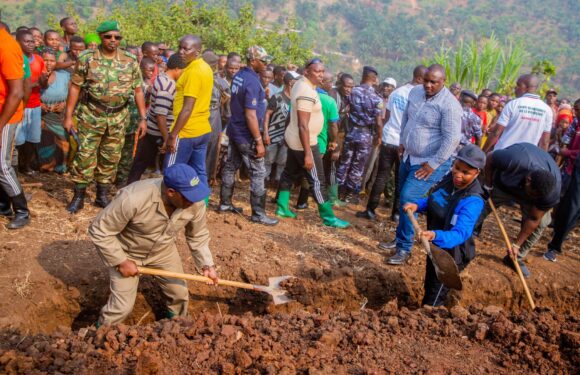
(393, 35)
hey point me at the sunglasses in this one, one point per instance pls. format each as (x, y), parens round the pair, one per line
(315, 60)
(115, 37)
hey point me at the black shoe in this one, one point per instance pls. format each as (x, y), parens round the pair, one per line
(366, 214)
(399, 258)
(259, 211)
(5, 206)
(352, 198)
(387, 245)
(78, 200)
(230, 208)
(301, 206)
(508, 262)
(21, 214)
(102, 199)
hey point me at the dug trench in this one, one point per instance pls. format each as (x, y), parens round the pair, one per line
(54, 284)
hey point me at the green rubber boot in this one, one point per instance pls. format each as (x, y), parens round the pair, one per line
(283, 209)
(333, 196)
(328, 218)
(206, 200)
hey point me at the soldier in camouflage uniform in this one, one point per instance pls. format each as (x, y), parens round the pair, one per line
(107, 77)
(364, 116)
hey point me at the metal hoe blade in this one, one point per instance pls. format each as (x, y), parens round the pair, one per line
(279, 295)
(445, 268)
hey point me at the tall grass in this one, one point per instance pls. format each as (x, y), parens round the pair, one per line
(484, 64)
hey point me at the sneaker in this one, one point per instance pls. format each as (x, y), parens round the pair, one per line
(508, 262)
(551, 255)
(387, 245)
(401, 257)
(366, 214)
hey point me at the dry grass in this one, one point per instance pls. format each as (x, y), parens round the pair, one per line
(23, 288)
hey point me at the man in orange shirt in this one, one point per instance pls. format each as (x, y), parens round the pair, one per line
(11, 110)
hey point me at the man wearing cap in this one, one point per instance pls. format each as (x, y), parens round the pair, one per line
(365, 114)
(389, 152)
(453, 208)
(107, 78)
(191, 131)
(139, 228)
(525, 119)
(430, 134)
(246, 145)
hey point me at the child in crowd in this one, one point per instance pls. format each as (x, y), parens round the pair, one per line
(570, 146)
(563, 121)
(480, 110)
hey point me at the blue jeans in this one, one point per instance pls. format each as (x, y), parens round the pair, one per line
(412, 189)
(190, 151)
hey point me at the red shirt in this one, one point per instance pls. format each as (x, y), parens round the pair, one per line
(36, 69)
(482, 115)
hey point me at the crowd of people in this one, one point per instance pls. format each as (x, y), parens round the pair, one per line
(89, 109)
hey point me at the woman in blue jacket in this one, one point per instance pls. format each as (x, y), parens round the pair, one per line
(453, 208)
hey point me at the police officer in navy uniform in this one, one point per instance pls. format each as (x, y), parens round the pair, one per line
(366, 108)
(453, 208)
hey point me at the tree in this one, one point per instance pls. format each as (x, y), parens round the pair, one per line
(167, 21)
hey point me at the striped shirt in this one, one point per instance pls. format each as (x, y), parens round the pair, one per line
(431, 127)
(162, 94)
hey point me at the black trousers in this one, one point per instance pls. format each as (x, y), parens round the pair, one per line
(388, 159)
(568, 211)
(435, 291)
(294, 171)
(147, 151)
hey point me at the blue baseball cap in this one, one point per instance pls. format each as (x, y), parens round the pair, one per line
(184, 179)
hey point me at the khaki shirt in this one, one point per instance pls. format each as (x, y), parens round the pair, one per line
(136, 226)
(304, 98)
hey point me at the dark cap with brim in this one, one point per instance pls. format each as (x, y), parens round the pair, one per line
(370, 69)
(469, 93)
(472, 155)
(184, 179)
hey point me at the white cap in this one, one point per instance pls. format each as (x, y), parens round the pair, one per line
(294, 74)
(390, 81)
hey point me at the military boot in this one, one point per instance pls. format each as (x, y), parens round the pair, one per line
(21, 214)
(226, 200)
(259, 210)
(102, 199)
(78, 200)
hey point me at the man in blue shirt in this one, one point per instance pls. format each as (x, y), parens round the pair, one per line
(248, 107)
(365, 113)
(430, 134)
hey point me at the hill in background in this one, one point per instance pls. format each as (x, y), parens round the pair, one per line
(394, 35)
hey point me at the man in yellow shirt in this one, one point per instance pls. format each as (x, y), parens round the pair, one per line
(191, 131)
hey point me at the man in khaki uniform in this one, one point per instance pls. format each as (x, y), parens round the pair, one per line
(139, 227)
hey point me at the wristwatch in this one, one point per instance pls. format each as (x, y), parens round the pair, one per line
(142, 118)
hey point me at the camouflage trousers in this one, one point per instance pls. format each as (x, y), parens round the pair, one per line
(126, 160)
(101, 139)
(353, 158)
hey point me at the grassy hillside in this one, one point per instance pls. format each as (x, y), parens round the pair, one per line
(393, 35)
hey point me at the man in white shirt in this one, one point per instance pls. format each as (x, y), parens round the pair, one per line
(389, 153)
(525, 119)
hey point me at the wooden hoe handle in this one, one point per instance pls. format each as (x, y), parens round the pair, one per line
(187, 276)
(418, 230)
(514, 260)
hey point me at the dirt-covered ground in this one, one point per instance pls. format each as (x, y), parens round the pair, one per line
(354, 314)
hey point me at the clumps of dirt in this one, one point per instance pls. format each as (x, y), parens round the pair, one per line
(395, 340)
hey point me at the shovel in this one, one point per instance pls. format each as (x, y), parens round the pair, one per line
(445, 267)
(279, 295)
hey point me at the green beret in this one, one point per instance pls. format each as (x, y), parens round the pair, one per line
(91, 37)
(108, 26)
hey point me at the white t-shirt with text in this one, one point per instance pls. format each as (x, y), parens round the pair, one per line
(525, 120)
